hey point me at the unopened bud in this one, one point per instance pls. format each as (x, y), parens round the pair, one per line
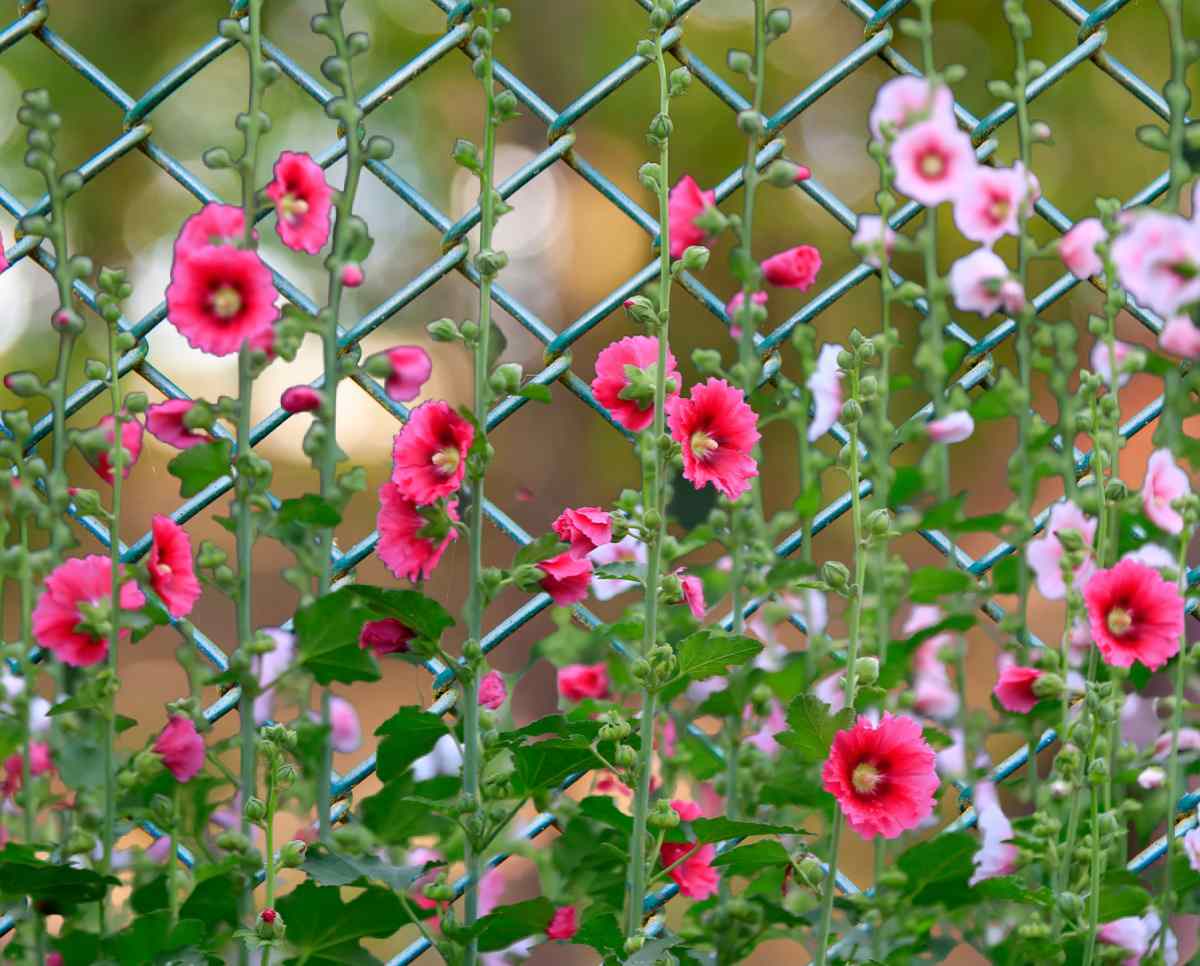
(867, 670)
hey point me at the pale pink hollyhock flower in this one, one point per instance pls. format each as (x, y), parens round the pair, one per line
(685, 203)
(997, 855)
(444, 759)
(1134, 615)
(164, 421)
(565, 578)
(906, 100)
(56, 618)
(626, 550)
(352, 275)
(693, 593)
(492, 690)
(1189, 740)
(976, 281)
(933, 160)
(825, 384)
(1045, 553)
(921, 618)
(717, 431)
(1153, 555)
(872, 239)
(934, 696)
(764, 738)
(1191, 848)
(403, 549)
(991, 199)
(386, 636)
(131, 442)
(1078, 248)
(491, 890)
(1165, 483)
(794, 268)
(1151, 778)
(418, 858)
(668, 738)
(695, 876)
(1139, 936)
(688, 811)
(170, 566)
(303, 200)
(700, 691)
(1158, 261)
(832, 690)
(181, 748)
(345, 732)
(1180, 338)
(1101, 365)
(882, 775)
(577, 682)
(1139, 722)
(300, 399)
(584, 529)
(267, 669)
(41, 761)
(429, 454)
(734, 305)
(159, 850)
(951, 764)
(212, 226)
(609, 784)
(411, 368)
(221, 297)
(564, 924)
(953, 428)
(641, 352)
(1014, 689)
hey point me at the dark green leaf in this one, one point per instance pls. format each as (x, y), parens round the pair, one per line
(535, 391)
(938, 869)
(323, 928)
(21, 875)
(747, 859)
(812, 727)
(407, 735)
(708, 653)
(509, 924)
(310, 510)
(394, 816)
(931, 583)
(212, 901)
(720, 829)
(200, 466)
(543, 548)
(1006, 574)
(908, 483)
(335, 869)
(547, 764)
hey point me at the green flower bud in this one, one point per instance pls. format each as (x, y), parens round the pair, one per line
(867, 670)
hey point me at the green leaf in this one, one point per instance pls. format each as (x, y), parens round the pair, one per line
(706, 654)
(909, 481)
(747, 859)
(407, 735)
(547, 764)
(535, 391)
(310, 510)
(509, 924)
(812, 727)
(602, 932)
(324, 929)
(200, 466)
(213, 900)
(335, 869)
(720, 829)
(151, 936)
(150, 896)
(931, 583)
(63, 885)
(1006, 574)
(938, 869)
(543, 548)
(394, 816)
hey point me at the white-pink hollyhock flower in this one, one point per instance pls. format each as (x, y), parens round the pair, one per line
(1180, 338)
(491, 890)
(1077, 248)
(700, 691)
(990, 202)
(950, 762)
(1165, 483)
(1153, 555)
(345, 732)
(1140, 937)
(522, 949)
(872, 239)
(814, 608)
(734, 305)
(1079, 643)
(825, 384)
(832, 690)
(976, 281)
(1158, 261)
(1189, 740)
(626, 550)
(906, 100)
(934, 696)
(1191, 848)
(444, 759)
(933, 160)
(1102, 364)
(1151, 778)
(1045, 553)
(996, 855)
(1139, 722)
(953, 428)
(764, 738)
(270, 666)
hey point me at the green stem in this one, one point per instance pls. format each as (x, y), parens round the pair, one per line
(1174, 775)
(28, 800)
(173, 857)
(1178, 98)
(269, 830)
(828, 890)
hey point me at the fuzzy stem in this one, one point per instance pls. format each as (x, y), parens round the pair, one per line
(828, 889)
(1174, 775)
(269, 854)
(173, 856)
(28, 801)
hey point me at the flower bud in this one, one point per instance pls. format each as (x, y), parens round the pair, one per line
(255, 810)
(291, 856)
(867, 670)
(270, 925)
(835, 573)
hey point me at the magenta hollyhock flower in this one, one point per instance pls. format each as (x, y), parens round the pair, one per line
(977, 280)
(268, 668)
(825, 384)
(904, 101)
(997, 855)
(685, 203)
(172, 575)
(41, 761)
(563, 924)
(717, 431)
(566, 578)
(641, 352)
(584, 529)
(1014, 688)
(386, 636)
(300, 399)
(688, 811)
(1180, 338)
(56, 618)
(692, 588)
(164, 421)
(212, 226)
(131, 442)
(1045, 553)
(429, 455)
(953, 428)
(1134, 614)
(181, 748)
(411, 368)
(933, 160)
(303, 200)
(991, 199)
(872, 239)
(404, 546)
(1103, 365)
(794, 268)
(579, 681)
(492, 691)
(734, 306)
(1165, 483)
(695, 875)
(1077, 248)
(1158, 261)
(882, 775)
(345, 732)
(221, 297)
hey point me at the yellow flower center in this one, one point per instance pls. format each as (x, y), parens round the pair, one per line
(226, 302)
(291, 207)
(866, 778)
(446, 460)
(702, 444)
(1119, 621)
(999, 209)
(932, 164)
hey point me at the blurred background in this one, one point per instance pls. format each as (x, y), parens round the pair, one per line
(569, 248)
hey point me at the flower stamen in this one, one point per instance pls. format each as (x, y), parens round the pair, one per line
(1119, 621)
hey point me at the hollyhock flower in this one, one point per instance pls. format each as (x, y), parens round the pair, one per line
(300, 399)
(268, 668)
(345, 732)
(386, 636)
(991, 199)
(951, 429)
(172, 576)
(1134, 615)
(882, 775)
(1138, 936)
(700, 691)
(212, 226)
(717, 431)
(564, 924)
(825, 384)
(131, 442)
(997, 855)
(1151, 778)
(181, 748)
(352, 275)
(577, 682)
(693, 593)
(1102, 365)
(584, 529)
(565, 578)
(688, 811)
(429, 455)
(764, 738)
(3, 259)
(1014, 689)
(1191, 848)
(444, 759)
(1158, 261)
(832, 690)
(872, 239)
(695, 876)
(976, 281)
(492, 691)
(1180, 338)
(1165, 483)
(933, 161)
(685, 203)
(668, 738)
(40, 762)
(303, 200)
(1188, 741)
(626, 550)
(1045, 553)
(57, 616)
(905, 100)
(609, 784)
(165, 422)
(1152, 555)
(159, 850)
(1077, 248)
(221, 297)
(612, 386)
(933, 694)
(794, 268)
(734, 306)
(405, 546)
(1139, 722)
(411, 368)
